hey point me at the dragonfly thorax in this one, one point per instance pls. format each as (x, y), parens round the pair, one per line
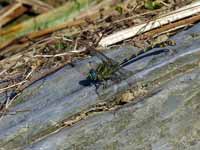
(102, 72)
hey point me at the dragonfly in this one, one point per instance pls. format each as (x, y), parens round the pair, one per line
(107, 70)
(110, 70)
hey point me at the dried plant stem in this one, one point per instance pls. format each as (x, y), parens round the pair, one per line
(11, 12)
(182, 13)
(12, 86)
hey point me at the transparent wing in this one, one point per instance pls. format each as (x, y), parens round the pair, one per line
(104, 58)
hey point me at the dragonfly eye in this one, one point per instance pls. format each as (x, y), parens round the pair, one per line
(92, 75)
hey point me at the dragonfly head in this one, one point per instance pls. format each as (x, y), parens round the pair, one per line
(92, 75)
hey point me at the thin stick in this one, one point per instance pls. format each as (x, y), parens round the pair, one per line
(56, 55)
(12, 86)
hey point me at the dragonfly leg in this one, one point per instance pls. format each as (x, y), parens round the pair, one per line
(105, 84)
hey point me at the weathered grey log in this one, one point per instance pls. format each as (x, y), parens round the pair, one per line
(168, 119)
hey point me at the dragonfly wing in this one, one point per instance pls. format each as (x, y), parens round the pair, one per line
(121, 74)
(104, 58)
